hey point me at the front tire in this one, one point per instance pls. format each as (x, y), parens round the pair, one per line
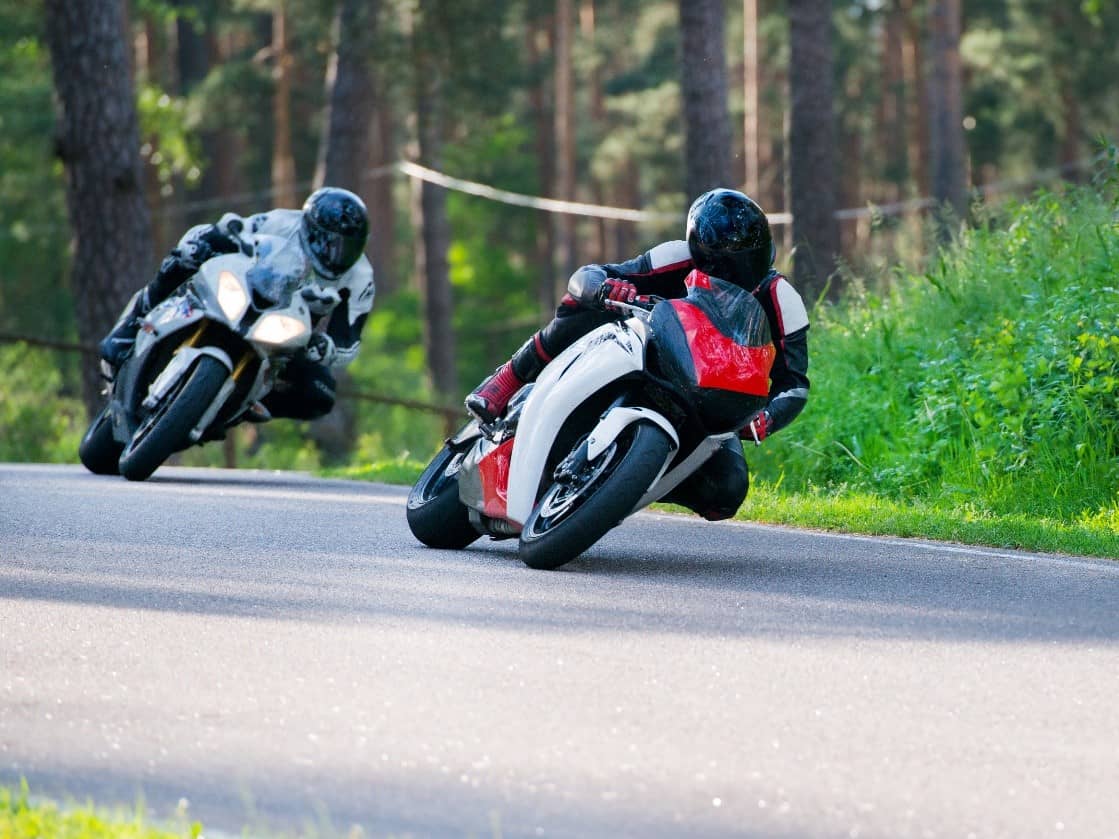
(165, 431)
(572, 516)
(435, 514)
(99, 451)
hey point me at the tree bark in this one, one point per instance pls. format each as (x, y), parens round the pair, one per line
(917, 104)
(949, 164)
(539, 40)
(98, 142)
(703, 86)
(343, 159)
(812, 178)
(283, 157)
(751, 138)
(564, 189)
(435, 235)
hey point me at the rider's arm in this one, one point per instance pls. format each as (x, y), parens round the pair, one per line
(349, 317)
(660, 270)
(788, 391)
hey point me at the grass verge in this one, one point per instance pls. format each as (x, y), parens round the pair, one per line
(853, 512)
(25, 817)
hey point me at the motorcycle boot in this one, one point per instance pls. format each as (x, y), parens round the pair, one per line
(176, 268)
(116, 346)
(488, 401)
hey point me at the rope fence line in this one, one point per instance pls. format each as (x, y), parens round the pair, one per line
(448, 412)
(553, 205)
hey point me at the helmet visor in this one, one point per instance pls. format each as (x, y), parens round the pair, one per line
(332, 253)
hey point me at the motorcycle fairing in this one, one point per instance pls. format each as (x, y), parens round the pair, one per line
(715, 345)
(494, 472)
(484, 477)
(718, 361)
(601, 356)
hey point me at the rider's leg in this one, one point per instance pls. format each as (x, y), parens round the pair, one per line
(305, 391)
(717, 489)
(175, 270)
(572, 321)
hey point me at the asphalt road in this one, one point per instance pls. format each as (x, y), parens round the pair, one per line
(277, 652)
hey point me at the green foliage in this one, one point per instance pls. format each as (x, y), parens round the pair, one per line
(176, 152)
(39, 421)
(22, 817)
(33, 229)
(991, 380)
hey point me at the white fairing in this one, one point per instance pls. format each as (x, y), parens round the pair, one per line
(592, 362)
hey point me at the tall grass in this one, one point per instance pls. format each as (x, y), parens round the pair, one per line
(991, 381)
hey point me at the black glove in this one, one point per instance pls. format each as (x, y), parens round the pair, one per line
(320, 349)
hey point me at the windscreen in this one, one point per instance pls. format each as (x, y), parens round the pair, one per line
(280, 268)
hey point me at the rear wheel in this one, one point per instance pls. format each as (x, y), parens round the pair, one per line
(435, 514)
(99, 451)
(576, 512)
(165, 430)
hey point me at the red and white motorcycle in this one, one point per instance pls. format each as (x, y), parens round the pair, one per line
(613, 423)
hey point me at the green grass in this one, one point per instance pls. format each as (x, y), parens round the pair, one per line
(854, 512)
(25, 817)
(849, 511)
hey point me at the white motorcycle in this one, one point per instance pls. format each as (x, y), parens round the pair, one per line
(615, 422)
(204, 356)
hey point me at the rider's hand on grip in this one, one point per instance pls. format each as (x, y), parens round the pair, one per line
(617, 290)
(320, 349)
(756, 429)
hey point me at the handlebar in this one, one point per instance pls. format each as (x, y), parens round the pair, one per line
(641, 306)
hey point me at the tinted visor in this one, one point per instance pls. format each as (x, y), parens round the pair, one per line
(332, 253)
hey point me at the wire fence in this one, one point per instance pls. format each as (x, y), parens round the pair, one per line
(451, 414)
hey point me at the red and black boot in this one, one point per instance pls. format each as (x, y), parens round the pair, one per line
(488, 401)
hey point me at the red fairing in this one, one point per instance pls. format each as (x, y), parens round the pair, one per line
(494, 471)
(719, 361)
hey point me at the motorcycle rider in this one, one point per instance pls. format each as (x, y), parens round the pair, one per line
(727, 237)
(332, 229)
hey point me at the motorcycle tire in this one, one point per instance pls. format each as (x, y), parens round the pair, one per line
(435, 514)
(99, 451)
(569, 518)
(165, 431)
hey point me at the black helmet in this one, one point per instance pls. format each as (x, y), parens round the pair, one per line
(728, 237)
(334, 230)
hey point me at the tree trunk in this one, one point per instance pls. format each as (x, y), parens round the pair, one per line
(379, 189)
(812, 178)
(435, 234)
(98, 142)
(949, 165)
(596, 242)
(539, 41)
(564, 189)
(283, 158)
(703, 86)
(917, 113)
(344, 153)
(891, 106)
(751, 138)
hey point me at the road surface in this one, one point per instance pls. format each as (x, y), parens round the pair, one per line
(276, 652)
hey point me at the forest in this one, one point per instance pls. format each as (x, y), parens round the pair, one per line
(901, 148)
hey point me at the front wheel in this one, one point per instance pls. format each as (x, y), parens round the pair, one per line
(99, 451)
(574, 514)
(165, 430)
(435, 514)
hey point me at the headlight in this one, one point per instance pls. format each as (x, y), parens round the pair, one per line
(231, 296)
(277, 329)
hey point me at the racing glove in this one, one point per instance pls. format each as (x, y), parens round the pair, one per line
(320, 349)
(756, 429)
(617, 290)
